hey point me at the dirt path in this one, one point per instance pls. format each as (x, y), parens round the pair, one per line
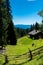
(2, 51)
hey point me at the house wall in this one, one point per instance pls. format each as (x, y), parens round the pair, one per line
(36, 36)
(41, 35)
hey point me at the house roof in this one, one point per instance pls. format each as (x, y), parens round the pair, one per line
(34, 32)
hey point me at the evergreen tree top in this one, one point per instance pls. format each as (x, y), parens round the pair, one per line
(41, 13)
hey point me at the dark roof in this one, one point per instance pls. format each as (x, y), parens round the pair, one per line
(34, 32)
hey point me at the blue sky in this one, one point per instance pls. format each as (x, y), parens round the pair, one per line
(25, 11)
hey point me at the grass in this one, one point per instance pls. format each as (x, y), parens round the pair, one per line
(2, 60)
(37, 61)
(23, 46)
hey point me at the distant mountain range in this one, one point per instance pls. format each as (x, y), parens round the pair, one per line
(22, 26)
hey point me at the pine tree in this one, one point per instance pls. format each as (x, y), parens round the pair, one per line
(41, 28)
(41, 14)
(3, 24)
(11, 33)
(6, 24)
(36, 26)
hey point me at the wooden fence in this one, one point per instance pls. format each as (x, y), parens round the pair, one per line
(20, 59)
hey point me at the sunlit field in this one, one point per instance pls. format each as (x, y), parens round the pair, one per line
(23, 46)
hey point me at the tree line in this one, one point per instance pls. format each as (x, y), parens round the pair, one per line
(24, 32)
(7, 33)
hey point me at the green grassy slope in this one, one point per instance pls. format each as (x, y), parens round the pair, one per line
(23, 46)
(2, 60)
(38, 60)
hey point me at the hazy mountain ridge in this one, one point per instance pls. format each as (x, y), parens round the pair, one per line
(22, 26)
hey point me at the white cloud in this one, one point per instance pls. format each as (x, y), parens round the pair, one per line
(31, 0)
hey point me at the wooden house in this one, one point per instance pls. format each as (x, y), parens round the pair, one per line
(35, 34)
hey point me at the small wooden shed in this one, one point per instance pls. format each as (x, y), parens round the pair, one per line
(35, 34)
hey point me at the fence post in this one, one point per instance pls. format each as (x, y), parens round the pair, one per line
(30, 54)
(6, 60)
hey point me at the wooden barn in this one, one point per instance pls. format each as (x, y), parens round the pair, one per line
(35, 34)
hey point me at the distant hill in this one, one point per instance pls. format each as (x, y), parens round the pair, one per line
(22, 26)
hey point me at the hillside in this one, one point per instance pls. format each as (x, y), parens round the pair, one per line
(23, 46)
